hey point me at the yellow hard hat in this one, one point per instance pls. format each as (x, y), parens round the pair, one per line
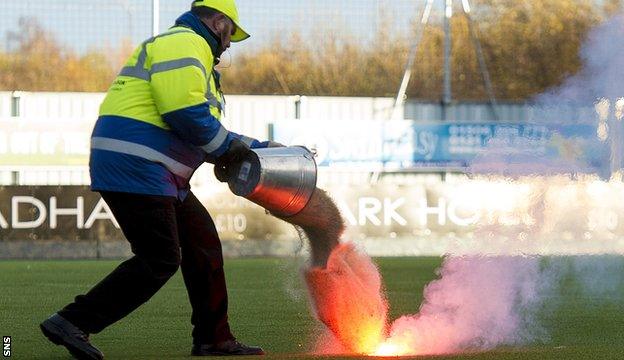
(228, 8)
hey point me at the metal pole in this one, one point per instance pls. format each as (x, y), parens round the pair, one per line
(400, 99)
(446, 99)
(619, 133)
(485, 74)
(407, 74)
(129, 11)
(155, 17)
(127, 8)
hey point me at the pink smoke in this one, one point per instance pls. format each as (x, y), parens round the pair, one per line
(481, 302)
(476, 304)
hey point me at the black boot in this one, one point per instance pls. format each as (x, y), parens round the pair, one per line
(230, 347)
(62, 332)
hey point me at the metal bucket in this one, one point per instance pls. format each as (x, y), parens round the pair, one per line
(280, 179)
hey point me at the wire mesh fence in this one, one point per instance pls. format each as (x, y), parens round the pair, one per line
(81, 25)
(318, 47)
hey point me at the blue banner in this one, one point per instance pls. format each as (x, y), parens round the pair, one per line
(449, 146)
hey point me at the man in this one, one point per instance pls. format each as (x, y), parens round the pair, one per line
(158, 123)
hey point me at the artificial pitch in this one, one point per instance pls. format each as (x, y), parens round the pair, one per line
(269, 307)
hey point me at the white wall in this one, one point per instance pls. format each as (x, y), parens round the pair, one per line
(248, 114)
(245, 114)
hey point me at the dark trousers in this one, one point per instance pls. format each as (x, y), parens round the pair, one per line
(157, 227)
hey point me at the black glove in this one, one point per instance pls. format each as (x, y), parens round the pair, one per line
(274, 144)
(225, 165)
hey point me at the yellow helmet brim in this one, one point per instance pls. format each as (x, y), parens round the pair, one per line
(239, 34)
(228, 8)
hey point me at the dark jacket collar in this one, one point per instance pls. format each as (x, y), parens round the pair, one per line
(191, 21)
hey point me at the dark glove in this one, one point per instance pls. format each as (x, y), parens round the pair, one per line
(274, 144)
(225, 165)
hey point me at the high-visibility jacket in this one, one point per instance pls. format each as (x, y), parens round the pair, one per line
(160, 119)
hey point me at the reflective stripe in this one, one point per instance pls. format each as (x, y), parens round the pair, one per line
(177, 64)
(143, 54)
(142, 151)
(212, 99)
(217, 141)
(135, 72)
(138, 70)
(247, 140)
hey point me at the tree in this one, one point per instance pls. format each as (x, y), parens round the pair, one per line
(528, 46)
(39, 63)
(534, 45)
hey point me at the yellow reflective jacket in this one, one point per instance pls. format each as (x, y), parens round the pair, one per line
(160, 119)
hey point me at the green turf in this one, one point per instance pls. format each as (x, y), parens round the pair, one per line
(268, 307)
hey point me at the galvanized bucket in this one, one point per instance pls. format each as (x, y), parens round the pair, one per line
(280, 179)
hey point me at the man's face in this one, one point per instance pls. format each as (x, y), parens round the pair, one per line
(225, 28)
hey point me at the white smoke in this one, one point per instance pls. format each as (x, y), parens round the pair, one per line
(602, 74)
(494, 296)
(477, 304)
(575, 185)
(591, 102)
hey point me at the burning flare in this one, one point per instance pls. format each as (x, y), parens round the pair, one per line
(348, 298)
(392, 348)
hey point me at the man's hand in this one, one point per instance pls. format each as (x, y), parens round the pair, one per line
(226, 163)
(274, 144)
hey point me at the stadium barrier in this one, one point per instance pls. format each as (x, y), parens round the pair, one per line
(385, 218)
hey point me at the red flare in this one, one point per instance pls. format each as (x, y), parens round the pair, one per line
(347, 297)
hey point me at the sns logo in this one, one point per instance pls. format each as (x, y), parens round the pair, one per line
(6, 346)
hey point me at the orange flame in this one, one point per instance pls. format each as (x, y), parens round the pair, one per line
(393, 347)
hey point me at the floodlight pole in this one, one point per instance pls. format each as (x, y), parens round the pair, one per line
(155, 17)
(485, 74)
(407, 74)
(127, 7)
(447, 95)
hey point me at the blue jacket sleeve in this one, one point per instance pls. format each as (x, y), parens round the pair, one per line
(196, 125)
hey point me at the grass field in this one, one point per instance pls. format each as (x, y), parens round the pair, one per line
(268, 307)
